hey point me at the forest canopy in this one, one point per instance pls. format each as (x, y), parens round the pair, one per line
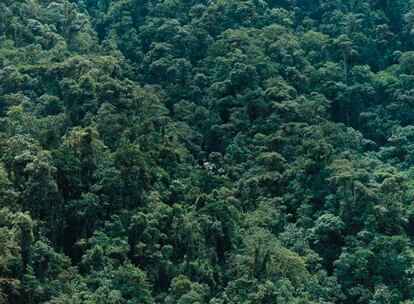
(206, 151)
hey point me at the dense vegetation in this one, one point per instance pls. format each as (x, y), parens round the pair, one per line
(206, 151)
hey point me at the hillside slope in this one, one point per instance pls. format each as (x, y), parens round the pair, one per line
(220, 152)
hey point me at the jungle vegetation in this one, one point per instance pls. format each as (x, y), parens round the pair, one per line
(206, 151)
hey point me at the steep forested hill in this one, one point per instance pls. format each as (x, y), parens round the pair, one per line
(206, 151)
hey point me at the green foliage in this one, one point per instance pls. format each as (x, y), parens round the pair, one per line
(190, 152)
